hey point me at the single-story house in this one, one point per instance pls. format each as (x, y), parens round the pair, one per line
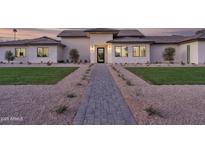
(106, 45)
(39, 50)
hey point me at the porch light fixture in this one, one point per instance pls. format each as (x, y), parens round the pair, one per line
(92, 47)
(109, 46)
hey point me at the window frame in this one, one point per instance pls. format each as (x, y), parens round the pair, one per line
(42, 52)
(140, 54)
(121, 47)
(20, 52)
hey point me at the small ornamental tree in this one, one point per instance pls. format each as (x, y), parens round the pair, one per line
(9, 56)
(74, 55)
(169, 54)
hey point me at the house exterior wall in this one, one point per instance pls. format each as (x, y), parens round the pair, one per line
(31, 54)
(181, 52)
(60, 53)
(194, 46)
(201, 52)
(130, 58)
(99, 40)
(3, 51)
(82, 44)
(156, 52)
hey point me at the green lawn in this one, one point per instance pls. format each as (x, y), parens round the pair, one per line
(171, 75)
(33, 75)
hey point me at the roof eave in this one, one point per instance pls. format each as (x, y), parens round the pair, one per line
(71, 36)
(130, 42)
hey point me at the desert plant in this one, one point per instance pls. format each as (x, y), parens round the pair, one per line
(169, 54)
(129, 83)
(151, 111)
(84, 77)
(79, 84)
(71, 95)
(139, 92)
(49, 63)
(74, 55)
(91, 65)
(61, 109)
(87, 71)
(123, 77)
(9, 56)
(182, 63)
(61, 61)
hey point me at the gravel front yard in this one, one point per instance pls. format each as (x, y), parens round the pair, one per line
(37, 104)
(177, 104)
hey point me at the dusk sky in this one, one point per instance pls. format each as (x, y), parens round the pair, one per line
(25, 33)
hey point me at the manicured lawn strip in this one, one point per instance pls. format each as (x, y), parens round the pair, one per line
(33, 75)
(171, 75)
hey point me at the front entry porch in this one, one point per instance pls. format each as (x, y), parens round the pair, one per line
(99, 54)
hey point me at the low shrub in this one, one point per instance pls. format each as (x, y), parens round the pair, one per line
(49, 63)
(61, 109)
(71, 95)
(91, 65)
(182, 63)
(80, 61)
(151, 111)
(129, 83)
(79, 84)
(84, 77)
(60, 61)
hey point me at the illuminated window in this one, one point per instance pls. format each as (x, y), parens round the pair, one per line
(136, 51)
(42, 52)
(139, 51)
(20, 52)
(117, 51)
(121, 51)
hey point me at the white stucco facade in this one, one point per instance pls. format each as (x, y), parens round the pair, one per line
(54, 54)
(82, 44)
(98, 46)
(131, 58)
(87, 48)
(157, 51)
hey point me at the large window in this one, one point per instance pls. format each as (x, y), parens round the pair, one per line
(42, 52)
(121, 51)
(20, 52)
(139, 51)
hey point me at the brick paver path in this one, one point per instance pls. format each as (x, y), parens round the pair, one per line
(103, 103)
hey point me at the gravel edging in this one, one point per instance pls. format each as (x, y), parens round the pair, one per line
(179, 104)
(37, 104)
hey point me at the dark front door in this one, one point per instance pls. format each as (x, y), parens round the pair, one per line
(100, 55)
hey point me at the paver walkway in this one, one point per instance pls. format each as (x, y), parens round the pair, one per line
(103, 103)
